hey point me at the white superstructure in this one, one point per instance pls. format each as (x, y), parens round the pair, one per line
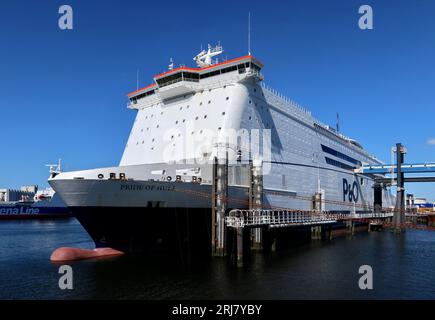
(185, 115)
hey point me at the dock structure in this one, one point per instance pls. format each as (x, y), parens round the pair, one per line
(267, 220)
(219, 203)
(256, 199)
(257, 228)
(399, 169)
(290, 218)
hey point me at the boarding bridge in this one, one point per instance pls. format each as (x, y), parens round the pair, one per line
(392, 168)
(398, 172)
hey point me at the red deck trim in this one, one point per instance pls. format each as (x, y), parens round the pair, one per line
(207, 68)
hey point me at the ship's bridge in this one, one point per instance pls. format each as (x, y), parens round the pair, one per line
(187, 80)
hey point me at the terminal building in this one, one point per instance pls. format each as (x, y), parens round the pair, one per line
(419, 203)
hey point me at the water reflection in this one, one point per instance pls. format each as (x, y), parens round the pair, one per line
(402, 266)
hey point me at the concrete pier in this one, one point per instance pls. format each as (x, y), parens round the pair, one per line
(256, 200)
(240, 247)
(350, 227)
(219, 203)
(316, 233)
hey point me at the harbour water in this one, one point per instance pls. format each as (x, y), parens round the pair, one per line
(402, 269)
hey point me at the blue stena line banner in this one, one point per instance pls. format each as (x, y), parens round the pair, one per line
(350, 191)
(18, 210)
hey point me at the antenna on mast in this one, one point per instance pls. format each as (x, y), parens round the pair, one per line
(338, 122)
(137, 79)
(249, 33)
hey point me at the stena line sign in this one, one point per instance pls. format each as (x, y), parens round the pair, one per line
(18, 210)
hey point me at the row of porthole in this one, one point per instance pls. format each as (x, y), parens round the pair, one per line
(184, 120)
(179, 135)
(168, 178)
(181, 108)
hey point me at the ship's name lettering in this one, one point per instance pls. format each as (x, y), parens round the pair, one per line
(18, 210)
(134, 187)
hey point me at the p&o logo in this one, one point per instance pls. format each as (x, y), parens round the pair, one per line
(350, 191)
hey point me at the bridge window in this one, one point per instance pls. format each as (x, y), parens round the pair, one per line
(229, 69)
(189, 76)
(170, 79)
(142, 95)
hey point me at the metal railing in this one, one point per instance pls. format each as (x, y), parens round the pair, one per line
(276, 218)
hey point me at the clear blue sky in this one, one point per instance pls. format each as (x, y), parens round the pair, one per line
(63, 93)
